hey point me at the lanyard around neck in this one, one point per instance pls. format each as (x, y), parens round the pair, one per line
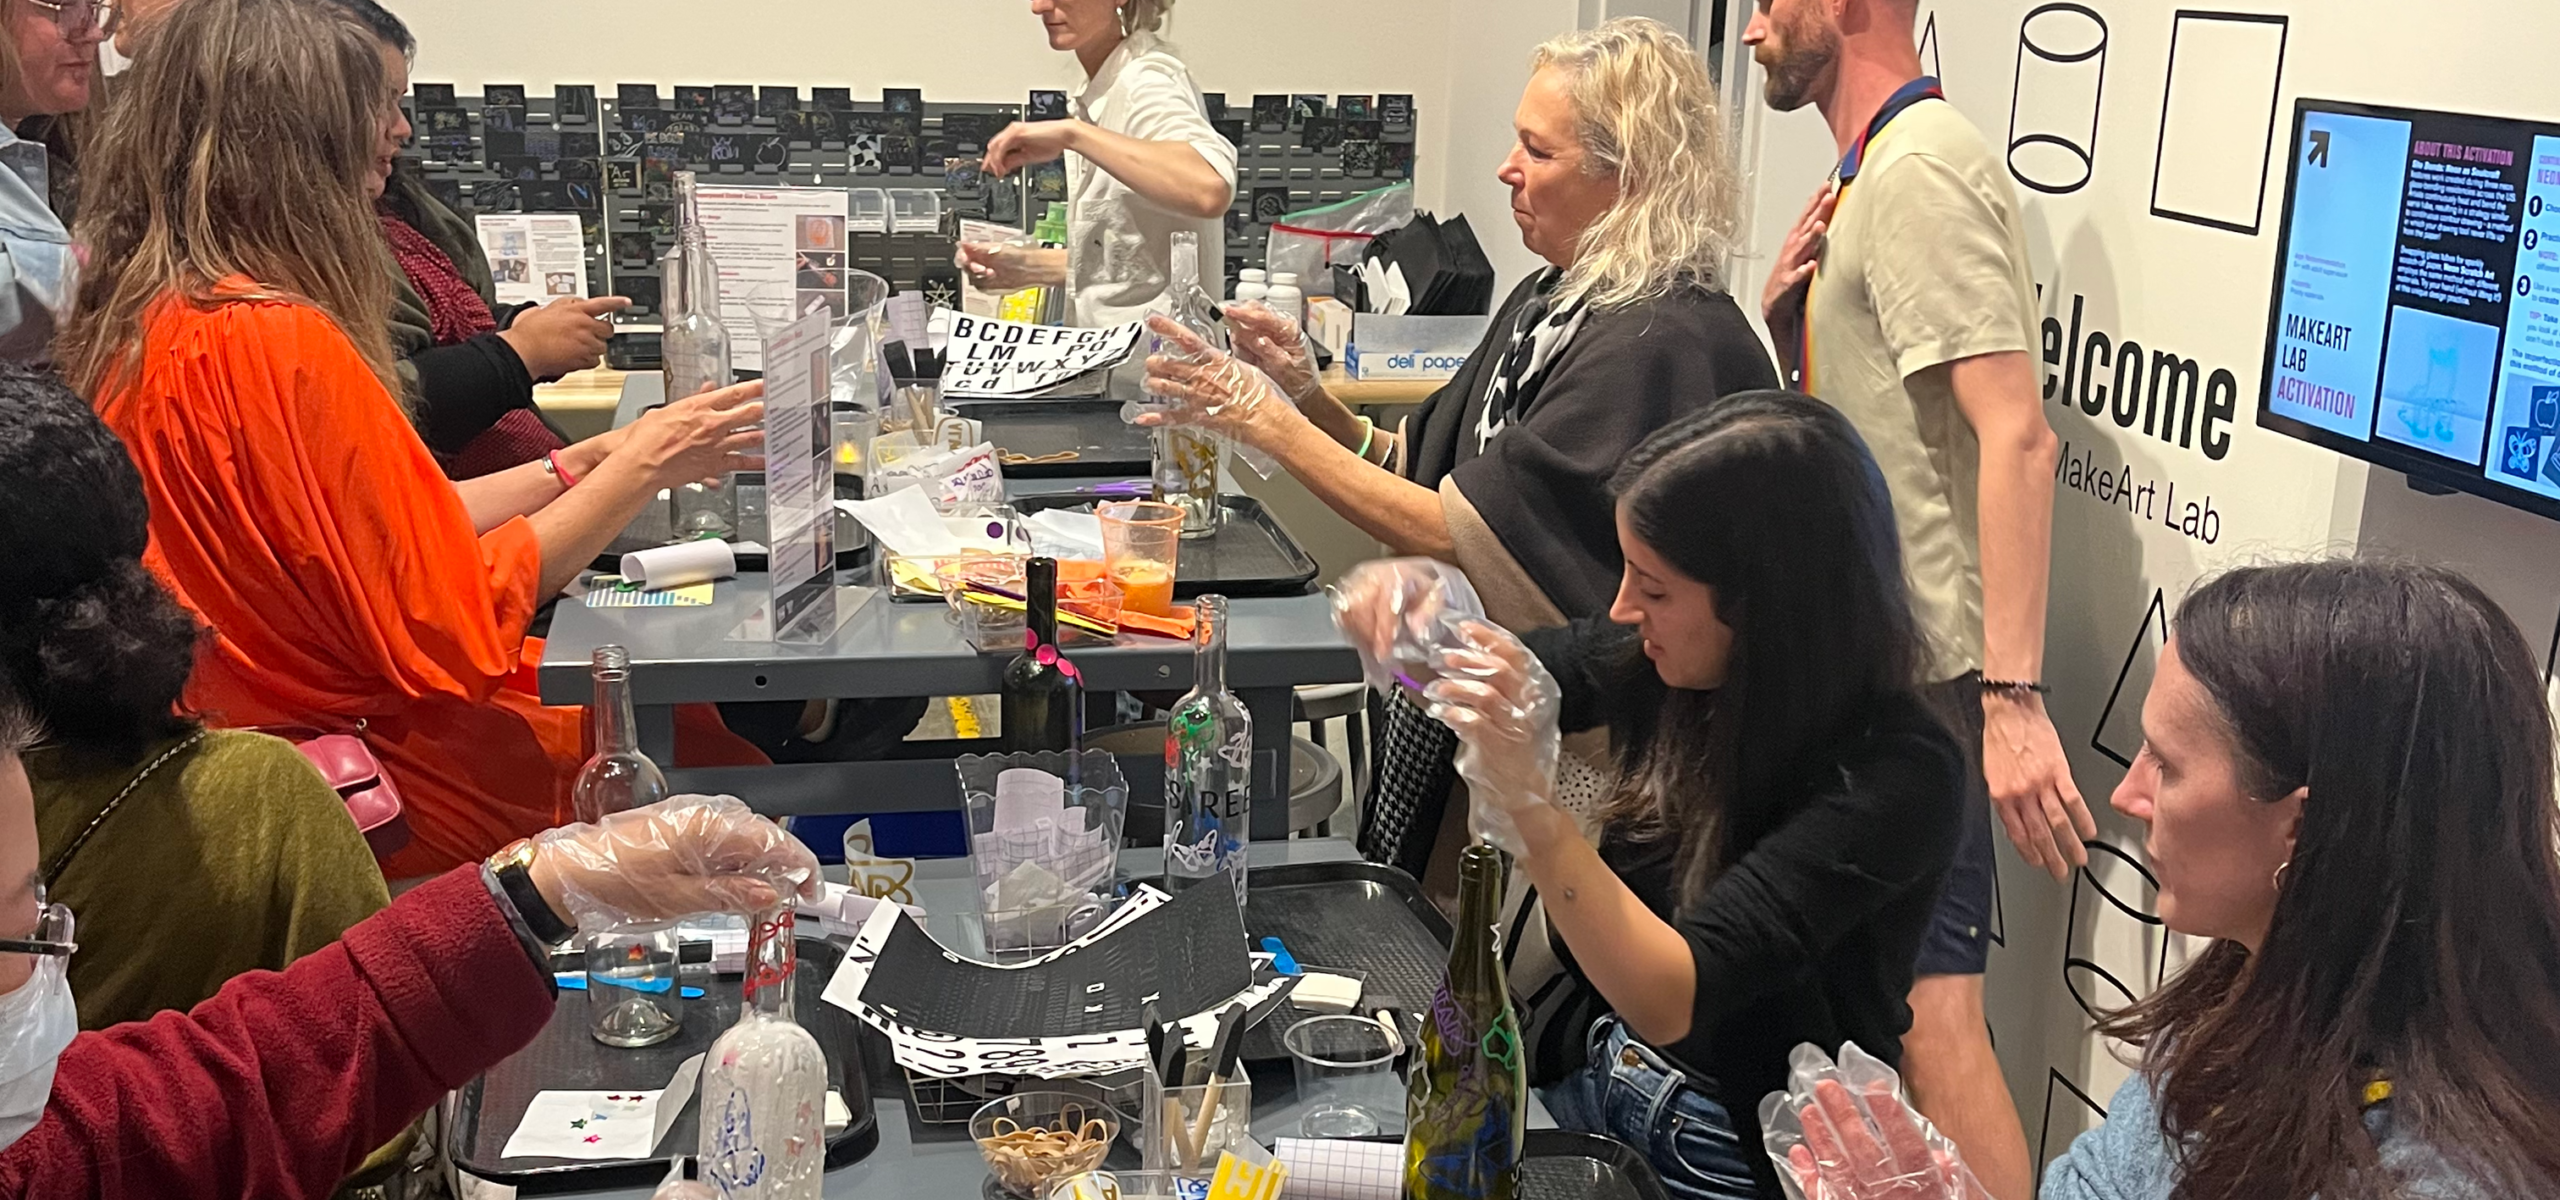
(1924, 88)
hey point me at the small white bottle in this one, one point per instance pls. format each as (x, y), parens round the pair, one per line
(1285, 298)
(1251, 285)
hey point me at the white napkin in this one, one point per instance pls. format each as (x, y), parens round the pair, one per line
(681, 565)
(906, 522)
(602, 1125)
(1062, 533)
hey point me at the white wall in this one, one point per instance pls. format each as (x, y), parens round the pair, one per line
(2204, 293)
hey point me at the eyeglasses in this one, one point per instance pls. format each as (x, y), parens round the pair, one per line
(53, 935)
(81, 18)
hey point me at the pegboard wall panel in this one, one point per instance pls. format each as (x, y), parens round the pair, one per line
(612, 162)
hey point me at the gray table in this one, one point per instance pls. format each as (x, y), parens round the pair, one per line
(683, 656)
(947, 1167)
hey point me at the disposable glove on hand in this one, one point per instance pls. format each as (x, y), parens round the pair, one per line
(1502, 704)
(1277, 347)
(1399, 614)
(1843, 1133)
(1190, 382)
(675, 858)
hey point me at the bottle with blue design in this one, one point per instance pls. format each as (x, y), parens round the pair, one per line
(1466, 1107)
(764, 1083)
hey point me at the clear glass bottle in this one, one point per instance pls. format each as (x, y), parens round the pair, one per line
(694, 346)
(617, 775)
(1208, 759)
(1189, 462)
(764, 1083)
(1466, 1107)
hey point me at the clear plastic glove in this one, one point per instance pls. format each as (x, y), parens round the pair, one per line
(675, 858)
(1007, 266)
(1277, 347)
(1842, 1132)
(1400, 614)
(1189, 382)
(1502, 704)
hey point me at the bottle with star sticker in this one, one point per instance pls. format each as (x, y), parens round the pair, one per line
(764, 1083)
(1466, 1107)
(1208, 765)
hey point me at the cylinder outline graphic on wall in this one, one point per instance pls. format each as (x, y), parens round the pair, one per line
(2053, 107)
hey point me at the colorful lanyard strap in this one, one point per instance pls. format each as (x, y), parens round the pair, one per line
(1924, 88)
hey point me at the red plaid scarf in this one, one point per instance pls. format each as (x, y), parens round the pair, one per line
(455, 311)
(455, 314)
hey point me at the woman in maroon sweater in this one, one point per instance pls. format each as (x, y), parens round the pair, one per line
(280, 1084)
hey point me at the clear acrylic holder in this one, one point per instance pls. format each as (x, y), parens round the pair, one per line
(1086, 855)
(1192, 1150)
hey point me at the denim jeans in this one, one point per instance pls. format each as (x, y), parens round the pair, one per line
(1628, 1092)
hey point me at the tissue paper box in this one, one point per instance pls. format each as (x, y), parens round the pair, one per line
(1329, 324)
(1385, 347)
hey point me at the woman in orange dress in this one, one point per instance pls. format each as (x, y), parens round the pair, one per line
(234, 334)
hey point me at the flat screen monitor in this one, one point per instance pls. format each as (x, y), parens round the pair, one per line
(2416, 315)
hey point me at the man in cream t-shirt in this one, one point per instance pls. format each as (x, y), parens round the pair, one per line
(1902, 298)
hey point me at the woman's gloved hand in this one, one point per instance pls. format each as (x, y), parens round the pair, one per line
(675, 858)
(1502, 704)
(1007, 267)
(1195, 384)
(1843, 1133)
(1398, 614)
(1277, 347)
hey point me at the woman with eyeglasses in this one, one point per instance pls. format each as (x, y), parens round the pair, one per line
(48, 61)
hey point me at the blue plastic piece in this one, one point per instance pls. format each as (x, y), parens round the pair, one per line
(1280, 959)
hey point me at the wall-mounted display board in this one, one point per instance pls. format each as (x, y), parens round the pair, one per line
(2416, 316)
(610, 158)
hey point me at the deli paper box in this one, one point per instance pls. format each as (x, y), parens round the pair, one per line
(1385, 347)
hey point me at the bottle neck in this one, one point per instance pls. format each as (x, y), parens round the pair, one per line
(1040, 599)
(772, 964)
(1209, 646)
(617, 727)
(1475, 951)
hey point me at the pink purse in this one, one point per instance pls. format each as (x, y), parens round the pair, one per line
(350, 767)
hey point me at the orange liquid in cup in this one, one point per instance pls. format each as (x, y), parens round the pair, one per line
(1145, 587)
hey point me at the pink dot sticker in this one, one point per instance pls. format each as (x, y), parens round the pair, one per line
(1030, 640)
(1069, 670)
(1048, 656)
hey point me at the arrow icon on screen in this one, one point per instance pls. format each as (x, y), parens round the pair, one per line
(2319, 156)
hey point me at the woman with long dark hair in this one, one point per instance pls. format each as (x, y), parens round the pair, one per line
(2346, 772)
(1785, 804)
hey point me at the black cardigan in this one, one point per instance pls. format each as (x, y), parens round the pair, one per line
(1543, 486)
(1812, 933)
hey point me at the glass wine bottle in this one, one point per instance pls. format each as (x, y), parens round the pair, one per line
(764, 1083)
(1208, 766)
(1466, 1108)
(694, 346)
(1043, 699)
(1188, 461)
(617, 776)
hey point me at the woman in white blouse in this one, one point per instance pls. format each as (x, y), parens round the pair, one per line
(1142, 163)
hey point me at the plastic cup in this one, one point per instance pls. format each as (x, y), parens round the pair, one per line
(1345, 1077)
(1141, 543)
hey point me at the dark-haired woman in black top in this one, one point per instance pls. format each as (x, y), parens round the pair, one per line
(1785, 807)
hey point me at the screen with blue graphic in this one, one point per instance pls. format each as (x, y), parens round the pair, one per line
(2416, 318)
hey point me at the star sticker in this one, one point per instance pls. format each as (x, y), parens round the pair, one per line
(613, 1097)
(592, 1139)
(580, 1123)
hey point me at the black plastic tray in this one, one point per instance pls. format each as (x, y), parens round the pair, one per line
(1250, 555)
(564, 1057)
(1351, 918)
(1103, 443)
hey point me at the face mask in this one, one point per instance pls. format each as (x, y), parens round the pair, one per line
(37, 1022)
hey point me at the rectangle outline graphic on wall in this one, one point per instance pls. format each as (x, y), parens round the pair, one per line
(2229, 96)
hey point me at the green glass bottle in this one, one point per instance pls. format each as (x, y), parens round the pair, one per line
(1466, 1110)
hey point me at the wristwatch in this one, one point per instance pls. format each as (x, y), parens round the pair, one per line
(513, 869)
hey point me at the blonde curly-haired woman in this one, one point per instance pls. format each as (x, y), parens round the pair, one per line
(1622, 181)
(1143, 163)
